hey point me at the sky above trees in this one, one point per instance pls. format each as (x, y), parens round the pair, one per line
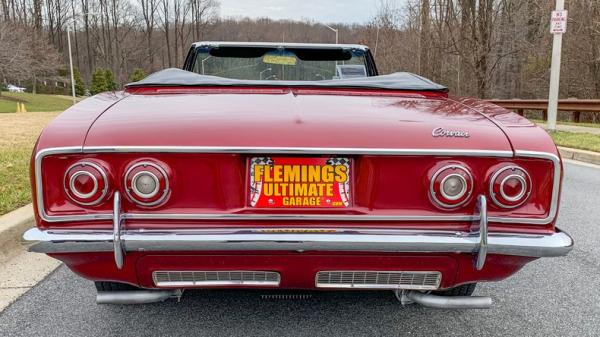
(347, 11)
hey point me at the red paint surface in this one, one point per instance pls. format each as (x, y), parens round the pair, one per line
(297, 269)
(293, 117)
(292, 120)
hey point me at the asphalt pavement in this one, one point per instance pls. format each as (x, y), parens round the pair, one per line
(549, 297)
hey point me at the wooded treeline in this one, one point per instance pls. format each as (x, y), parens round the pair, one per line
(492, 48)
(484, 48)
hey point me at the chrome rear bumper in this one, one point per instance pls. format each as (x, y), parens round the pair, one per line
(305, 239)
(477, 241)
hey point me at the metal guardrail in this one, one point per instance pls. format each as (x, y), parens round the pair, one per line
(574, 106)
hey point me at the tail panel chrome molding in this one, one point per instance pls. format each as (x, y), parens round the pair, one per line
(291, 151)
(216, 278)
(416, 280)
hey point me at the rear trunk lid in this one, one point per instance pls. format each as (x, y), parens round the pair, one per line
(276, 118)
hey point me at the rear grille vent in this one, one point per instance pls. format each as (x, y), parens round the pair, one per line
(428, 280)
(215, 278)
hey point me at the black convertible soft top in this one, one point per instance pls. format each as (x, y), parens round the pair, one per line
(395, 81)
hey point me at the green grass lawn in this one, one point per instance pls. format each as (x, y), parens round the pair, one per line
(583, 141)
(18, 134)
(37, 102)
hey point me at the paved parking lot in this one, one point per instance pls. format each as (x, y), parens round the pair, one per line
(550, 297)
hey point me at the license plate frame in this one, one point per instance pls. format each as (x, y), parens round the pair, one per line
(300, 182)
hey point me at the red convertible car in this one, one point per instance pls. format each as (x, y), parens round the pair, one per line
(293, 166)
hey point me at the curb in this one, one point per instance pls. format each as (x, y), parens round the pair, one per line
(579, 155)
(12, 227)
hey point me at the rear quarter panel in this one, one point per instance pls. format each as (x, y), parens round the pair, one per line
(69, 129)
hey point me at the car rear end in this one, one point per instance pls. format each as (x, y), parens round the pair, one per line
(387, 221)
(254, 187)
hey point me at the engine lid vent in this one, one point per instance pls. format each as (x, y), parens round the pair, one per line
(418, 280)
(215, 278)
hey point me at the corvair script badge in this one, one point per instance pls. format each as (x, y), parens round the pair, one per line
(441, 132)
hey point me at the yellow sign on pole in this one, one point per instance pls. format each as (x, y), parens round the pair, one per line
(21, 107)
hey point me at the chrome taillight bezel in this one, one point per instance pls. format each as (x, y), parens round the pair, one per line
(98, 175)
(159, 174)
(437, 194)
(498, 180)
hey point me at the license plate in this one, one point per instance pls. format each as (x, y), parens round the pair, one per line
(300, 182)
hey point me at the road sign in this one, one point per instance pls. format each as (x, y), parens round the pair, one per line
(558, 22)
(558, 26)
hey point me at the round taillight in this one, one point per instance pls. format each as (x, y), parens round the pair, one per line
(510, 187)
(451, 186)
(147, 183)
(86, 183)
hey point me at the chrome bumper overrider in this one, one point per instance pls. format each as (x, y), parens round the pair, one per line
(477, 241)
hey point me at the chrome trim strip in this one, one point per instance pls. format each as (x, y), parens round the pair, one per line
(217, 284)
(292, 150)
(297, 217)
(307, 239)
(278, 44)
(298, 150)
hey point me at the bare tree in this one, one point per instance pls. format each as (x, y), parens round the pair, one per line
(166, 23)
(149, 18)
(23, 56)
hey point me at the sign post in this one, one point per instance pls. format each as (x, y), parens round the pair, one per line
(558, 26)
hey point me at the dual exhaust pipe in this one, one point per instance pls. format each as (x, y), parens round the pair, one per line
(404, 296)
(137, 296)
(443, 302)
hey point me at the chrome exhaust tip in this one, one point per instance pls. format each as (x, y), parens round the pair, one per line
(443, 302)
(137, 296)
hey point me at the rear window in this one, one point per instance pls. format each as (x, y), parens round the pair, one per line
(288, 64)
